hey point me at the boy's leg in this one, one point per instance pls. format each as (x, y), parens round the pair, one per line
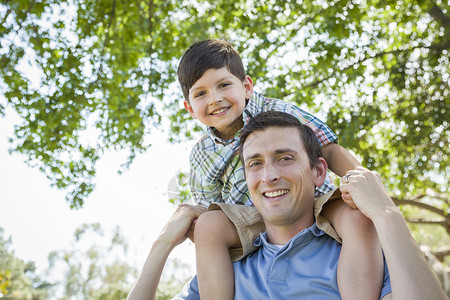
(214, 235)
(360, 266)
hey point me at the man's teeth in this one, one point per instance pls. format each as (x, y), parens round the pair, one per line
(276, 193)
(219, 111)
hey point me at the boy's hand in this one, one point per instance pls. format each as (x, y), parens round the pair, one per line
(181, 225)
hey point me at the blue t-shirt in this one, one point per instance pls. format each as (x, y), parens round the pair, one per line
(305, 268)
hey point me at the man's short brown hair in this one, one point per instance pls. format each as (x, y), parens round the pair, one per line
(280, 119)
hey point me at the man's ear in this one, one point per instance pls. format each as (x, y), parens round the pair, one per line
(320, 172)
(190, 110)
(248, 86)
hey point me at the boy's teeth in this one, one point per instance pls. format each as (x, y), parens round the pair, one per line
(219, 111)
(276, 193)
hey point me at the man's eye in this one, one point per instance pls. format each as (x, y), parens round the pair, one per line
(286, 159)
(254, 164)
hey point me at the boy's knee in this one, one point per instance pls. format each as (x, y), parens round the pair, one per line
(210, 224)
(356, 222)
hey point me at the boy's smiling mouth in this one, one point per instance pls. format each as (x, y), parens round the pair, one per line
(219, 111)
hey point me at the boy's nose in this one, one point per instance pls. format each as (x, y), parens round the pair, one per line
(214, 98)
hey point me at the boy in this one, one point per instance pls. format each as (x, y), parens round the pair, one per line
(219, 94)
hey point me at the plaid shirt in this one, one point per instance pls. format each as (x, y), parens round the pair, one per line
(216, 172)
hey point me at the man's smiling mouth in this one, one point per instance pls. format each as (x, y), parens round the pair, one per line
(275, 193)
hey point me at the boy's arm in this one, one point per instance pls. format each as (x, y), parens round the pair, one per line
(178, 228)
(339, 159)
(410, 275)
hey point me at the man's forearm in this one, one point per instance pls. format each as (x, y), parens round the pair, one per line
(147, 283)
(411, 277)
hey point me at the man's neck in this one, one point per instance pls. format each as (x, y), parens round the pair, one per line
(280, 235)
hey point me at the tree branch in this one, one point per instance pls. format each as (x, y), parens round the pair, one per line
(441, 253)
(422, 205)
(105, 43)
(438, 47)
(437, 14)
(444, 223)
(6, 16)
(150, 28)
(108, 27)
(427, 222)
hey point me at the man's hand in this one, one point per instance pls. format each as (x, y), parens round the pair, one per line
(366, 190)
(181, 225)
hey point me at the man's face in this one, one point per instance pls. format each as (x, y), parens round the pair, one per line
(279, 177)
(217, 100)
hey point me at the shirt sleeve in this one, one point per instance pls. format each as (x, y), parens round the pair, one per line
(320, 129)
(203, 191)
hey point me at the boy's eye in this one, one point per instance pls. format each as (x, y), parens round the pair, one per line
(222, 85)
(199, 94)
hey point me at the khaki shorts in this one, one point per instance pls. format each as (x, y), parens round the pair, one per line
(249, 222)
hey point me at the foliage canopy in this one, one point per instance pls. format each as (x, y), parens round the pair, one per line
(376, 71)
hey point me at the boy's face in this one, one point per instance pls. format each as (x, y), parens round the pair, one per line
(217, 100)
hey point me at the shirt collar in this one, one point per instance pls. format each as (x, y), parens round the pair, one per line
(303, 236)
(253, 107)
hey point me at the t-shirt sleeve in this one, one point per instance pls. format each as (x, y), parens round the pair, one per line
(189, 291)
(386, 289)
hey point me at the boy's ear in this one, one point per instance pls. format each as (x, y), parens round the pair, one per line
(190, 110)
(248, 86)
(320, 172)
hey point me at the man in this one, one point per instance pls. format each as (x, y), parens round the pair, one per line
(296, 259)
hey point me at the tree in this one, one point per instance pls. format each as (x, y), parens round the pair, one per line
(94, 267)
(18, 279)
(376, 71)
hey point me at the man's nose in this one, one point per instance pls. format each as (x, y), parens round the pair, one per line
(270, 174)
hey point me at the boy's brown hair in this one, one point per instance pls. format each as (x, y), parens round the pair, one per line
(204, 55)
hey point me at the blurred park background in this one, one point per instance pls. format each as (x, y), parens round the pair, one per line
(92, 127)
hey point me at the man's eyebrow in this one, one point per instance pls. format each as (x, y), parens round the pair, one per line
(276, 152)
(287, 150)
(256, 155)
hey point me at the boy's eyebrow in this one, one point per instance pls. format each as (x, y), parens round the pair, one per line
(219, 80)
